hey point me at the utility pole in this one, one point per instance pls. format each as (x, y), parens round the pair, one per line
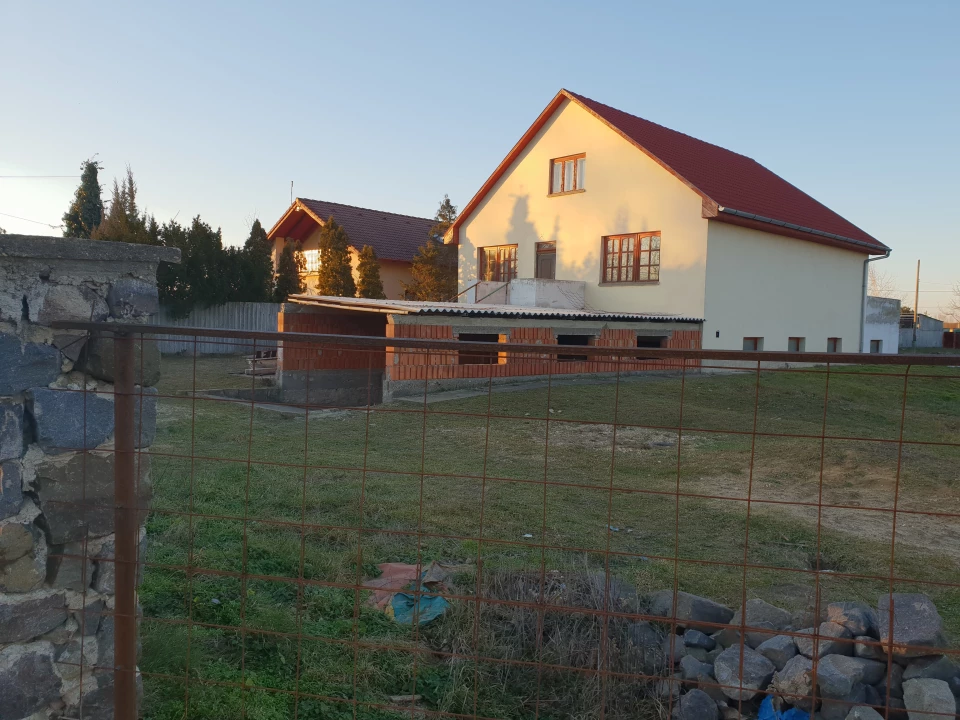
(916, 301)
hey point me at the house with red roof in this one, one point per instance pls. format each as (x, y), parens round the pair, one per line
(394, 237)
(622, 215)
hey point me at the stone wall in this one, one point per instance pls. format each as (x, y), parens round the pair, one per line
(56, 465)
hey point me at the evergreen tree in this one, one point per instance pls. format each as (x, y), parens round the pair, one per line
(434, 268)
(290, 267)
(256, 266)
(335, 275)
(123, 221)
(86, 210)
(202, 278)
(369, 284)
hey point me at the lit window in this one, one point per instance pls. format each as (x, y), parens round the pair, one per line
(753, 344)
(834, 345)
(497, 263)
(567, 173)
(312, 260)
(796, 344)
(631, 258)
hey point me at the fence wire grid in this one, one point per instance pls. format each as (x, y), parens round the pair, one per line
(572, 547)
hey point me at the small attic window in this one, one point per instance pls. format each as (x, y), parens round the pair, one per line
(567, 174)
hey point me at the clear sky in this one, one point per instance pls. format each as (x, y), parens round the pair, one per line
(217, 107)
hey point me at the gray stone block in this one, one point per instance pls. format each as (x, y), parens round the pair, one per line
(77, 495)
(778, 650)
(831, 639)
(11, 430)
(48, 303)
(26, 366)
(24, 617)
(692, 611)
(857, 617)
(760, 614)
(11, 489)
(69, 573)
(695, 705)
(23, 555)
(917, 625)
(742, 683)
(132, 298)
(795, 682)
(838, 708)
(28, 682)
(837, 675)
(89, 617)
(928, 699)
(70, 419)
(98, 360)
(938, 667)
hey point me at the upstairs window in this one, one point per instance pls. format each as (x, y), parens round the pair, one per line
(311, 260)
(546, 267)
(498, 263)
(631, 258)
(567, 174)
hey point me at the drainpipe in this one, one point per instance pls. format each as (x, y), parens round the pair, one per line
(863, 295)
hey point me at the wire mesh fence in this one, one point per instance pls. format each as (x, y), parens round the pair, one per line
(705, 541)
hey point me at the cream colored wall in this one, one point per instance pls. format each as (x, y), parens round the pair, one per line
(626, 192)
(764, 285)
(392, 272)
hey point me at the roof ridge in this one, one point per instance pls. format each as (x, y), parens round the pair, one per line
(372, 210)
(578, 96)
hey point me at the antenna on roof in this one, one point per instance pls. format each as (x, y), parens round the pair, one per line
(291, 192)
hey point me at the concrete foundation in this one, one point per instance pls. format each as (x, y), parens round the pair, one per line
(332, 388)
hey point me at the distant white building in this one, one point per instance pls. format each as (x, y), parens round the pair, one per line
(881, 326)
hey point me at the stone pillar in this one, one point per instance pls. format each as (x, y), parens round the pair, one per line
(56, 465)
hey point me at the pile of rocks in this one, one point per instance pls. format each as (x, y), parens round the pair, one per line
(57, 578)
(852, 665)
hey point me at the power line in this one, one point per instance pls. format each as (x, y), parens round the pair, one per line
(37, 222)
(35, 177)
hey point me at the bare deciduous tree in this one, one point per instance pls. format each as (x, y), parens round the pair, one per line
(881, 284)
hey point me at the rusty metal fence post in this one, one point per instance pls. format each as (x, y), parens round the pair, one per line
(125, 515)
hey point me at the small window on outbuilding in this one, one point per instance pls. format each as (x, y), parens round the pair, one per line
(876, 346)
(466, 356)
(650, 341)
(576, 341)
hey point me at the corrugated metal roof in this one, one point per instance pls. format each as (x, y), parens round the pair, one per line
(415, 307)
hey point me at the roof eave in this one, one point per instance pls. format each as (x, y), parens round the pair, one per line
(295, 206)
(800, 232)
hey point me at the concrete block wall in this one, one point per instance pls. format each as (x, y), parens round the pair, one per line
(56, 466)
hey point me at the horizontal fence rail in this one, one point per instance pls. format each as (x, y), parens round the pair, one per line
(617, 544)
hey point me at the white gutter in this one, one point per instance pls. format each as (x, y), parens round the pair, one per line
(863, 294)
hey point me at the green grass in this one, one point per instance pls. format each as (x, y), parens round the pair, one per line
(295, 491)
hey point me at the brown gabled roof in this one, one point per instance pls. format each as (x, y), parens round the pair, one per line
(734, 188)
(391, 235)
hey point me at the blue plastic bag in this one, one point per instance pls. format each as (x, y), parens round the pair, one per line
(768, 712)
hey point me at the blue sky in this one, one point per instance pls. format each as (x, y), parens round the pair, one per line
(217, 107)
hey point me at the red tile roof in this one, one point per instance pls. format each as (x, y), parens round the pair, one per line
(391, 235)
(746, 192)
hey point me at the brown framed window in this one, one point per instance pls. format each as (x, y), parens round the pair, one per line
(796, 344)
(497, 263)
(633, 258)
(753, 344)
(546, 267)
(834, 345)
(567, 173)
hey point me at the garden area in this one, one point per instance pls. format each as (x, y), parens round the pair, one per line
(551, 508)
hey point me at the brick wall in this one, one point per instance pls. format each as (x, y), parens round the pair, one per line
(299, 356)
(410, 364)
